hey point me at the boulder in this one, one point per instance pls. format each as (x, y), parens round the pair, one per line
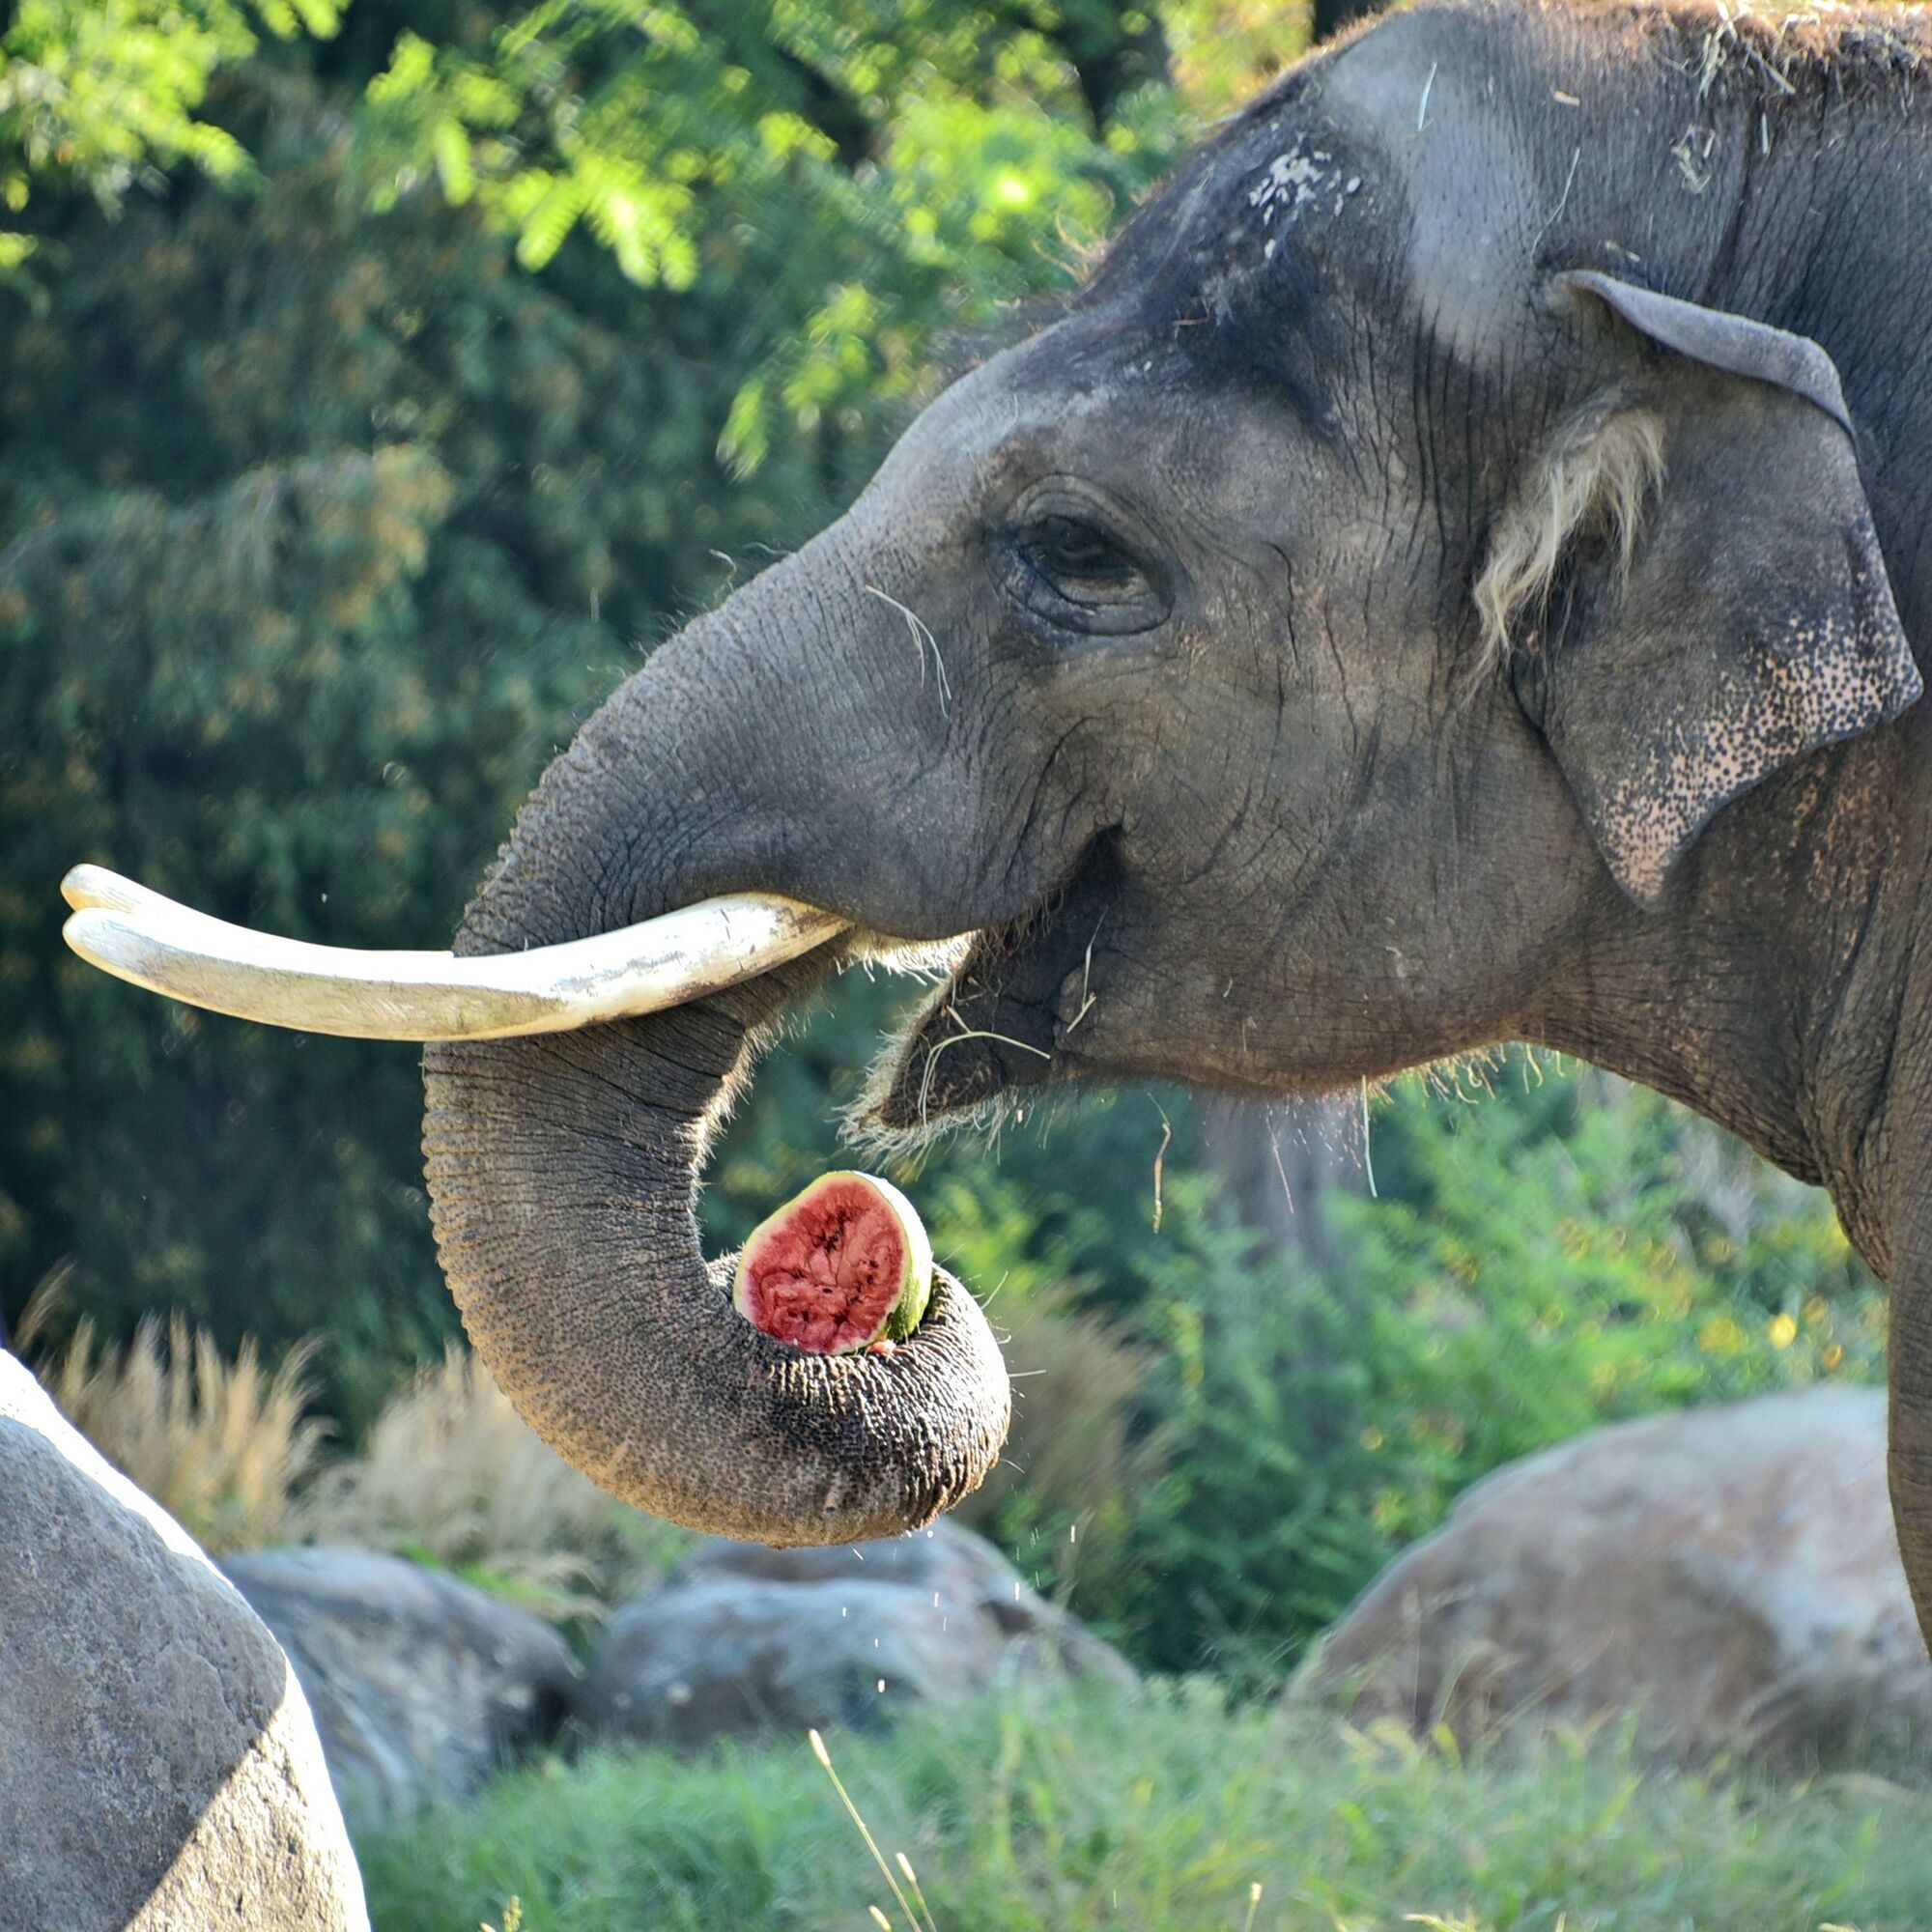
(1727, 1575)
(740, 1637)
(159, 1769)
(422, 1685)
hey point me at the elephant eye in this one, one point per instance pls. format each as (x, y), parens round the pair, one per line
(1078, 578)
(1071, 553)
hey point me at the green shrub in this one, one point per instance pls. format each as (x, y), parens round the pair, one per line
(1557, 1261)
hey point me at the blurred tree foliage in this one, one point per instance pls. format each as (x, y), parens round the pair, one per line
(374, 381)
(104, 94)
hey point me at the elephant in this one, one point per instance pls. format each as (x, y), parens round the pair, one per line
(1453, 572)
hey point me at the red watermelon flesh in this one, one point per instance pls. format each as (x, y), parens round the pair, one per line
(845, 1265)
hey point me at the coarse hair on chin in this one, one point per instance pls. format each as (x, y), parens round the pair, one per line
(863, 1126)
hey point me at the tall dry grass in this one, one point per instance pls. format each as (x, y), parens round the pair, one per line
(221, 1445)
(451, 1475)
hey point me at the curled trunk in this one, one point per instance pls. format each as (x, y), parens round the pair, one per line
(562, 1171)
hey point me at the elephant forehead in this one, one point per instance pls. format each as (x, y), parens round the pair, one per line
(1391, 165)
(1395, 153)
(1060, 394)
(1455, 185)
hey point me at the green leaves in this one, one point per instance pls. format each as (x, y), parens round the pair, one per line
(864, 176)
(1541, 1261)
(94, 91)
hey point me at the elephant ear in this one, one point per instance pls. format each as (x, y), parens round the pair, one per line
(1741, 617)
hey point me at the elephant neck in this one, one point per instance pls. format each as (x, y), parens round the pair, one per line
(1781, 987)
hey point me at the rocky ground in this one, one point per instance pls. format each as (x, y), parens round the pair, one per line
(1726, 1577)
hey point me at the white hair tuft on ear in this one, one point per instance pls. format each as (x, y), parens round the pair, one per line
(1598, 472)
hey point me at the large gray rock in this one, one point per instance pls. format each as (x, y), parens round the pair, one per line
(739, 1637)
(421, 1684)
(1729, 1574)
(159, 1770)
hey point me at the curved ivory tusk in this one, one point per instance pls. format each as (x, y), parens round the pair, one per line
(140, 936)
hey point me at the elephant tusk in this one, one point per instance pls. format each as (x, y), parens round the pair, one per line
(137, 935)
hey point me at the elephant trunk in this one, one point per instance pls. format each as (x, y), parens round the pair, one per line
(563, 1167)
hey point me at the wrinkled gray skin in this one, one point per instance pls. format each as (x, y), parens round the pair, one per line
(1228, 788)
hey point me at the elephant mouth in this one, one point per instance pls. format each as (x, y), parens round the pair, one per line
(1003, 1022)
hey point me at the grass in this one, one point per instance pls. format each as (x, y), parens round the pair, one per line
(1090, 1810)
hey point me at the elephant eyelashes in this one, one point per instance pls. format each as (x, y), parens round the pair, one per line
(1069, 574)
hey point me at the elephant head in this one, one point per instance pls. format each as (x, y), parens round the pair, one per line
(1317, 647)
